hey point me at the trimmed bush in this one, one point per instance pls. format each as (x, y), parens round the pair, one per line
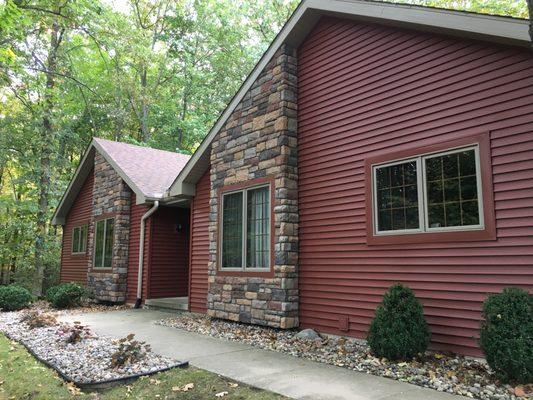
(65, 295)
(399, 330)
(14, 298)
(507, 335)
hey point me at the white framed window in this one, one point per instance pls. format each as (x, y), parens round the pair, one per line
(435, 192)
(103, 243)
(79, 239)
(245, 229)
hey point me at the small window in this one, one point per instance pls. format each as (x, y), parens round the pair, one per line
(79, 239)
(103, 247)
(428, 193)
(245, 235)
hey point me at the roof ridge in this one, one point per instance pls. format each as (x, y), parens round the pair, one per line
(99, 139)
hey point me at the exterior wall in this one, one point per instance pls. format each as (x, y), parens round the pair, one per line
(365, 90)
(136, 213)
(74, 267)
(169, 253)
(111, 198)
(259, 141)
(199, 246)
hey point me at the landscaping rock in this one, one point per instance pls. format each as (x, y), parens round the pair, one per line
(308, 334)
(443, 372)
(86, 361)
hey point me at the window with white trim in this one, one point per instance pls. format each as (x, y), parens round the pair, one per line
(428, 193)
(245, 236)
(79, 239)
(103, 243)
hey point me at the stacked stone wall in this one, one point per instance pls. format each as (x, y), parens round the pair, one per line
(111, 198)
(259, 140)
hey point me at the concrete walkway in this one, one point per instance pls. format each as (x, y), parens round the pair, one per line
(277, 372)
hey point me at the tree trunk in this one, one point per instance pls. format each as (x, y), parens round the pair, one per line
(46, 143)
(145, 134)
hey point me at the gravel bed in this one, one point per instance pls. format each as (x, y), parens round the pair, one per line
(87, 361)
(443, 372)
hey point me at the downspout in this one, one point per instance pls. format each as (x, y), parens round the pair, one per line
(141, 254)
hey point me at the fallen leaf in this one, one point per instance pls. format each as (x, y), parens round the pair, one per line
(154, 381)
(187, 387)
(175, 388)
(233, 385)
(221, 394)
(439, 356)
(519, 391)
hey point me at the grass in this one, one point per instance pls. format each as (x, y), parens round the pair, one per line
(22, 377)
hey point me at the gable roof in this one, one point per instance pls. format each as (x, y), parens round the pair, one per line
(499, 29)
(148, 172)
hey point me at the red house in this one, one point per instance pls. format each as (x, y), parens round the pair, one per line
(373, 143)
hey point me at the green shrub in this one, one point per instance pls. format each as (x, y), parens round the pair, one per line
(507, 335)
(65, 295)
(399, 330)
(14, 298)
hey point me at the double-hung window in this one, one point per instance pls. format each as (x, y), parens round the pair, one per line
(435, 192)
(246, 229)
(103, 245)
(79, 239)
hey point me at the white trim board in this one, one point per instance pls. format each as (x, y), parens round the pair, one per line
(505, 30)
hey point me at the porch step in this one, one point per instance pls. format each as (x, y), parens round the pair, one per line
(168, 303)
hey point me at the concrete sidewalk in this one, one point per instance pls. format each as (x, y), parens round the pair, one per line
(269, 370)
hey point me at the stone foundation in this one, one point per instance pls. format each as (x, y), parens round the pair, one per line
(111, 198)
(259, 140)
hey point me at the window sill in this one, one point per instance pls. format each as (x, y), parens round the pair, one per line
(244, 273)
(433, 237)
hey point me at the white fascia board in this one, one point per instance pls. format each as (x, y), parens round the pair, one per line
(492, 28)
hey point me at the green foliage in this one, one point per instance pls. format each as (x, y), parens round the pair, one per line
(66, 295)
(399, 330)
(14, 298)
(507, 334)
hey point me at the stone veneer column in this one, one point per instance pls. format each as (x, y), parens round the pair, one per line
(111, 197)
(260, 140)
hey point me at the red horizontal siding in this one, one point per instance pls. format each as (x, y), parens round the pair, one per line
(136, 213)
(169, 249)
(367, 89)
(199, 253)
(74, 267)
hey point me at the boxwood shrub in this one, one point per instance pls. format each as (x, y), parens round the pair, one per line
(507, 335)
(14, 298)
(398, 330)
(65, 295)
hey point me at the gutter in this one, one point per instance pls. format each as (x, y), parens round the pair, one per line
(147, 215)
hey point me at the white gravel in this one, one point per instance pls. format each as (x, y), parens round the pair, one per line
(87, 361)
(443, 372)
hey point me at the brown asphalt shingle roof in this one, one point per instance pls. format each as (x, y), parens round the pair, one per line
(151, 170)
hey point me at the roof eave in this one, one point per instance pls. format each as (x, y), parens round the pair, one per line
(467, 25)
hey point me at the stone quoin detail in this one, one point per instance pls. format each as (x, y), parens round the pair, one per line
(111, 198)
(260, 140)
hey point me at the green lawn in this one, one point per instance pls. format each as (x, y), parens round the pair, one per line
(23, 377)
